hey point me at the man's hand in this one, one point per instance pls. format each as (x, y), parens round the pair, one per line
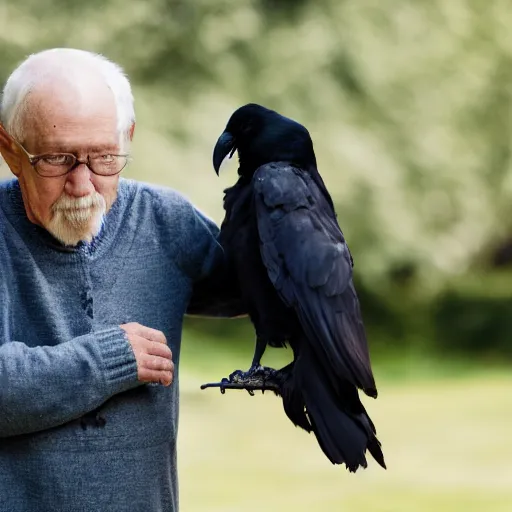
(153, 356)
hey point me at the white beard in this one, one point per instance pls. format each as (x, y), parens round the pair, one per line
(77, 220)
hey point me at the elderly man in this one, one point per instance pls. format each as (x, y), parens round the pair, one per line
(96, 275)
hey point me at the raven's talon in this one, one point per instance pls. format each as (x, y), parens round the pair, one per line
(223, 383)
(257, 378)
(236, 374)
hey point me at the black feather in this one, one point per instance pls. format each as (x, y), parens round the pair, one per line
(294, 270)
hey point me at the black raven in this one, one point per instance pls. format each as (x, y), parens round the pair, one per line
(294, 271)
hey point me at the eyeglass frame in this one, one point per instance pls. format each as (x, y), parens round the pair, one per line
(33, 159)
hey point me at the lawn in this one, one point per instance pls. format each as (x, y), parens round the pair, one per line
(447, 443)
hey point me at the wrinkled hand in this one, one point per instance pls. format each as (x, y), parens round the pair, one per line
(153, 356)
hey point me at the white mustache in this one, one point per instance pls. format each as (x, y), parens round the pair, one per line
(89, 202)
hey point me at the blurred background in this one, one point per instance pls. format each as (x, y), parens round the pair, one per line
(409, 107)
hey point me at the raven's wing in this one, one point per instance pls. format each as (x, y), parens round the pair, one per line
(310, 265)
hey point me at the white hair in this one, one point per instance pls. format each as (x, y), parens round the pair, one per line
(64, 62)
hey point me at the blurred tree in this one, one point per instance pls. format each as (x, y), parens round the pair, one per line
(408, 104)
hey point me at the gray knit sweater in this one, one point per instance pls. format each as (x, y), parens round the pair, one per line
(63, 355)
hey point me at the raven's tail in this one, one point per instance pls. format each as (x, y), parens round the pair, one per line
(342, 427)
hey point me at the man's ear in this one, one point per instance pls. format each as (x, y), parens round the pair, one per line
(10, 151)
(132, 130)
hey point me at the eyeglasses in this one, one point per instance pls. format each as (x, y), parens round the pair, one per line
(53, 165)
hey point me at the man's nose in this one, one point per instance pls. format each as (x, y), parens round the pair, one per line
(78, 183)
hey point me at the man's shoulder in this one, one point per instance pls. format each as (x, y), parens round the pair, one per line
(7, 187)
(169, 208)
(157, 196)
(6, 184)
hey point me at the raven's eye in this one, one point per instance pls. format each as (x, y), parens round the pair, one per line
(247, 128)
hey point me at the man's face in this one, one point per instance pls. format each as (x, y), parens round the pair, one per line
(78, 120)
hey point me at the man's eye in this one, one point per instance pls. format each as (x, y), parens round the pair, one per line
(107, 159)
(57, 159)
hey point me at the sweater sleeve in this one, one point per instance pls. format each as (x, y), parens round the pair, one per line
(196, 249)
(215, 289)
(46, 386)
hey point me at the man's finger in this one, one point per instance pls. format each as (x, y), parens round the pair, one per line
(158, 349)
(164, 378)
(153, 334)
(145, 332)
(158, 363)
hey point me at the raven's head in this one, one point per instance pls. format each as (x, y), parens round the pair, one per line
(262, 136)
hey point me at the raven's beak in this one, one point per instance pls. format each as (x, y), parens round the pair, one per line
(225, 145)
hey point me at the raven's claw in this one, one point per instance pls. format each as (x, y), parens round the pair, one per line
(258, 378)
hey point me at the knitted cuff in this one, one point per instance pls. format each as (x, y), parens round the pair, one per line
(119, 364)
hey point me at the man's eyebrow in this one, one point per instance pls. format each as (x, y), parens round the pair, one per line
(43, 148)
(102, 148)
(56, 147)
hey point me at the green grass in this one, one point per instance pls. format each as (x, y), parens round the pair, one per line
(446, 440)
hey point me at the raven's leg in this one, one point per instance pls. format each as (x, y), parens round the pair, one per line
(259, 350)
(256, 372)
(256, 378)
(261, 345)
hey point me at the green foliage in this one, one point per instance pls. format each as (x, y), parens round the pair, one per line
(474, 317)
(408, 104)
